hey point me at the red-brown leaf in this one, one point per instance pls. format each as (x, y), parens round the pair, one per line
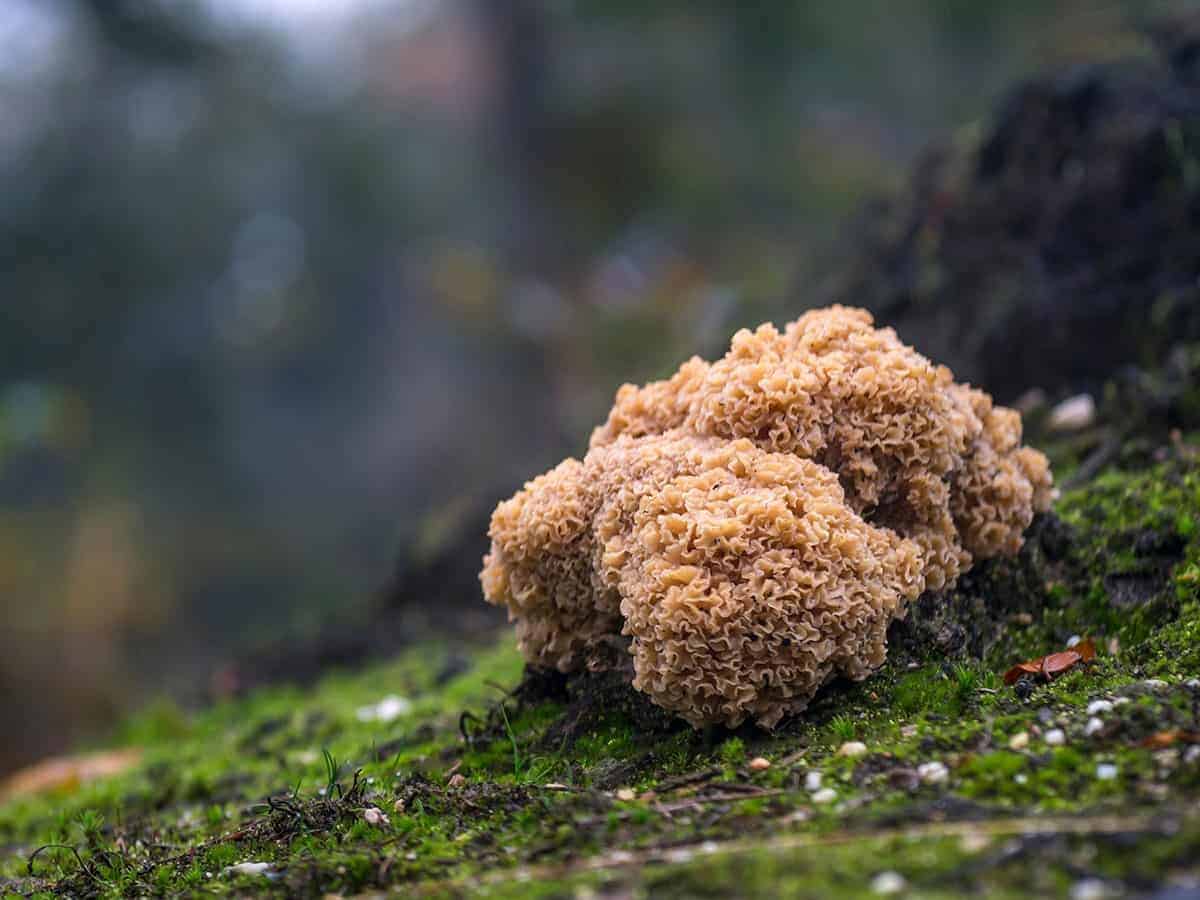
(1163, 739)
(1050, 667)
(1057, 663)
(1031, 667)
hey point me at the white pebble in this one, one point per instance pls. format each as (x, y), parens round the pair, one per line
(852, 749)
(1191, 755)
(1020, 778)
(812, 782)
(389, 708)
(250, 868)
(1073, 640)
(933, 772)
(1019, 741)
(1155, 684)
(759, 764)
(1193, 683)
(1099, 706)
(1090, 889)
(1056, 737)
(1093, 727)
(824, 795)
(888, 883)
(1106, 771)
(1072, 414)
(375, 816)
(626, 794)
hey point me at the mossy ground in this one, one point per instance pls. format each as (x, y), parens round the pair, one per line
(497, 784)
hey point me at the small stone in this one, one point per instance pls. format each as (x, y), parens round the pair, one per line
(1019, 741)
(1055, 737)
(456, 781)
(1073, 640)
(824, 795)
(1191, 755)
(852, 749)
(1099, 706)
(389, 708)
(626, 794)
(1073, 414)
(1120, 701)
(1106, 771)
(1167, 759)
(974, 842)
(1046, 715)
(679, 855)
(800, 815)
(812, 782)
(398, 806)
(888, 883)
(1020, 778)
(1155, 684)
(250, 868)
(759, 764)
(1093, 727)
(375, 816)
(1193, 684)
(1090, 889)
(908, 731)
(933, 772)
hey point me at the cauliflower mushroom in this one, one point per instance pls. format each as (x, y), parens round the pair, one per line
(753, 525)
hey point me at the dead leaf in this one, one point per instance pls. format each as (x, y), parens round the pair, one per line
(1032, 667)
(1163, 739)
(1055, 664)
(68, 772)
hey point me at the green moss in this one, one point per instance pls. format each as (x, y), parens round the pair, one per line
(246, 780)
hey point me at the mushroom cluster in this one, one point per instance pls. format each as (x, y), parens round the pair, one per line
(753, 525)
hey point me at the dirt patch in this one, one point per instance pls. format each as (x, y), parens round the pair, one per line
(1032, 257)
(994, 596)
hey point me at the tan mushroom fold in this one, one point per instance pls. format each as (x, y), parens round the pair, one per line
(753, 525)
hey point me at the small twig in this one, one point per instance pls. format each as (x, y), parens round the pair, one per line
(83, 866)
(467, 716)
(679, 781)
(1096, 460)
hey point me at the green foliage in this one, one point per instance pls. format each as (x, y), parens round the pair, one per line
(843, 728)
(732, 751)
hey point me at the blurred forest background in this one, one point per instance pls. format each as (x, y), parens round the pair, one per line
(283, 282)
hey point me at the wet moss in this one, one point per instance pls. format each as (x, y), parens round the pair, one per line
(495, 771)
